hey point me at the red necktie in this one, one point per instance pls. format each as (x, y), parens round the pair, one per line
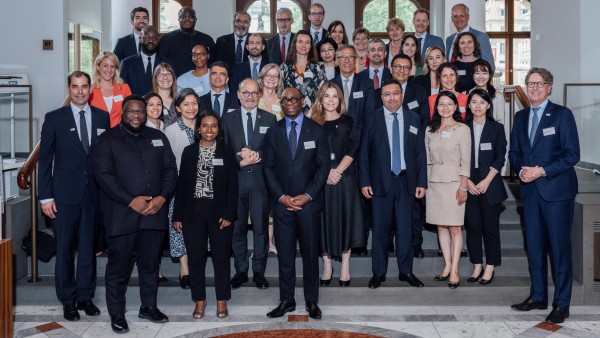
(283, 49)
(376, 79)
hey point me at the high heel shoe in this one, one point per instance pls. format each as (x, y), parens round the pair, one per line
(440, 278)
(325, 282)
(475, 279)
(199, 314)
(453, 285)
(345, 283)
(222, 313)
(488, 281)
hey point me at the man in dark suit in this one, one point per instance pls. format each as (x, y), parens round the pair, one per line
(244, 130)
(257, 59)
(229, 48)
(137, 70)
(136, 171)
(315, 16)
(218, 99)
(295, 170)
(426, 40)
(460, 19)
(131, 44)
(544, 148)
(392, 172)
(377, 71)
(68, 193)
(279, 45)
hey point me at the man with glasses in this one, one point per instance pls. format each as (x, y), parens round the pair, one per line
(316, 16)
(257, 59)
(131, 44)
(544, 148)
(295, 167)
(177, 45)
(460, 19)
(197, 79)
(230, 47)
(279, 45)
(244, 130)
(218, 99)
(136, 171)
(138, 70)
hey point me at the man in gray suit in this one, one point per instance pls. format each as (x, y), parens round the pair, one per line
(426, 40)
(244, 130)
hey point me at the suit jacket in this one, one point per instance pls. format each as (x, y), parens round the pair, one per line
(274, 48)
(225, 50)
(430, 41)
(555, 148)
(362, 102)
(323, 34)
(234, 124)
(374, 159)
(119, 93)
(126, 47)
(306, 173)
(416, 99)
(423, 81)
(64, 168)
(134, 73)
(484, 44)
(242, 71)
(385, 76)
(490, 157)
(231, 102)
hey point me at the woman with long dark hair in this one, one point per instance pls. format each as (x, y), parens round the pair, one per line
(484, 79)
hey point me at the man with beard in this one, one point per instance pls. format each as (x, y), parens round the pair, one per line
(177, 45)
(230, 47)
(255, 45)
(137, 70)
(279, 45)
(136, 171)
(131, 44)
(197, 79)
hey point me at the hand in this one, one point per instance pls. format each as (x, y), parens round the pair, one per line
(154, 206)
(287, 201)
(300, 200)
(223, 223)
(249, 157)
(530, 174)
(177, 226)
(472, 188)
(367, 192)
(483, 186)
(334, 177)
(461, 196)
(49, 208)
(420, 193)
(139, 203)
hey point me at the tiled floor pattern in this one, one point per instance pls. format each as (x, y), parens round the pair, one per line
(337, 322)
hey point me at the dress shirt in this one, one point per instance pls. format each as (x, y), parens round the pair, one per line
(403, 90)
(379, 74)
(145, 61)
(236, 38)
(200, 84)
(288, 126)
(88, 119)
(477, 130)
(312, 34)
(389, 122)
(221, 100)
(287, 42)
(252, 62)
(422, 37)
(138, 41)
(539, 114)
(245, 118)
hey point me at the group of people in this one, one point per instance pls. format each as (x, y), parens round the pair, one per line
(329, 138)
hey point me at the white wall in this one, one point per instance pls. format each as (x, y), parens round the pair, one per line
(339, 10)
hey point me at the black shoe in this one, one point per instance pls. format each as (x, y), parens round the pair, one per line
(152, 314)
(488, 281)
(472, 279)
(238, 279)
(325, 282)
(119, 324)
(260, 281)
(345, 283)
(440, 278)
(528, 305)
(411, 279)
(70, 313)
(464, 253)
(313, 310)
(283, 308)
(89, 308)
(557, 315)
(163, 279)
(184, 282)
(376, 281)
(418, 252)
(453, 285)
(362, 251)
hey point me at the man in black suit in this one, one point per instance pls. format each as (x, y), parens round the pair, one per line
(68, 193)
(377, 70)
(255, 45)
(315, 16)
(279, 45)
(136, 171)
(392, 171)
(295, 170)
(218, 99)
(137, 70)
(131, 44)
(244, 130)
(230, 47)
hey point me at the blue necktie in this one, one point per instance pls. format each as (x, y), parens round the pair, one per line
(249, 129)
(396, 162)
(534, 124)
(217, 105)
(293, 139)
(316, 38)
(238, 52)
(255, 71)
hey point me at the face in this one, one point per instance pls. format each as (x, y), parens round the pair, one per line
(271, 79)
(209, 128)
(376, 53)
(435, 59)
(291, 109)
(481, 77)
(361, 41)
(345, 59)
(284, 22)
(134, 116)
(303, 45)
(255, 46)
(466, 45)
(460, 18)
(188, 108)
(337, 34)
(187, 19)
(478, 106)
(327, 52)
(409, 47)
(421, 22)
(164, 79)
(107, 69)
(538, 95)
(446, 106)
(391, 96)
(316, 16)
(154, 108)
(149, 41)
(200, 56)
(241, 24)
(401, 70)
(331, 100)
(218, 78)
(79, 91)
(395, 33)
(448, 79)
(249, 94)
(140, 19)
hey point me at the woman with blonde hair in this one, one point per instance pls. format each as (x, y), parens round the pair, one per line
(434, 57)
(108, 89)
(395, 29)
(164, 83)
(270, 84)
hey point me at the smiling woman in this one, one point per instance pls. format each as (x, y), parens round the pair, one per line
(108, 89)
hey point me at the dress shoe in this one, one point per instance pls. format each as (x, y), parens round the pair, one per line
(200, 313)
(238, 279)
(487, 281)
(472, 279)
(453, 285)
(345, 283)
(273, 250)
(411, 279)
(557, 315)
(223, 313)
(528, 305)
(184, 282)
(361, 251)
(153, 314)
(163, 279)
(283, 308)
(89, 308)
(118, 324)
(418, 252)
(440, 278)
(70, 313)
(376, 281)
(260, 281)
(325, 282)
(313, 310)
(464, 253)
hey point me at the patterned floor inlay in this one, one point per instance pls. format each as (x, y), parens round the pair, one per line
(298, 334)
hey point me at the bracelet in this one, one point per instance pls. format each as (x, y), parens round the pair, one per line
(463, 189)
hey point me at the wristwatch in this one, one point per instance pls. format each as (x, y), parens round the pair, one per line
(543, 172)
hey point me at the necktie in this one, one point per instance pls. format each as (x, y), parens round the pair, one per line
(534, 124)
(396, 165)
(316, 38)
(452, 58)
(139, 47)
(84, 132)
(420, 40)
(293, 139)
(376, 79)
(149, 72)
(346, 92)
(255, 71)
(249, 128)
(283, 49)
(238, 52)
(217, 105)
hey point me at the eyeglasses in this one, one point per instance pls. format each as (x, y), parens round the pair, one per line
(199, 55)
(134, 112)
(388, 94)
(317, 14)
(164, 76)
(346, 57)
(272, 76)
(401, 67)
(286, 20)
(536, 84)
(446, 105)
(292, 100)
(247, 94)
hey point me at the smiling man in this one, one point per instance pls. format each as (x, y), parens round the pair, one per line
(230, 47)
(130, 44)
(279, 45)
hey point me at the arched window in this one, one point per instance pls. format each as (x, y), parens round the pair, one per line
(165, 14)
(374, 14)
(262, 14)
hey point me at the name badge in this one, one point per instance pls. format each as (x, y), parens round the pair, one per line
(157, 143)
(357, 95)
(413, 105)
(99, 131)
(462, 72)
(308, 74)
(263, 130)
(486, 146)
(413, 130)
(199, 89)
(549, 131)
(309, 145)
(446, 134)
(276, 107)
(230, 110)
(461, 109)
(118, 98)
(332, 157)
(73, 129)
(217, 162)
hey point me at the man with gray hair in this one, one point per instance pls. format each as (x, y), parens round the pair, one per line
(230, 47)
(279, 45)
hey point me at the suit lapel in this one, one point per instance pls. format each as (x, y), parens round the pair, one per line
(284, 138)
(545, 118)
(380, 119)
(240, 125)
(72, 127)
(305, 136)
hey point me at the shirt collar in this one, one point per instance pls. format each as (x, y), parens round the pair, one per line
(76, 109)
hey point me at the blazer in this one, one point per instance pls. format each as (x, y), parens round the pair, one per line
(64, 168)
(423, 81)
(374, 157)
(362, 101)
(416, 100)
(555, 148)
(125, 47)
(490, 157)
(274, 48)
(225, 50)
(484, 44)
(306, 173)
(234, 124)
(385, 76)
(430, 41)
(119, 93)
(447, 164)
(224, 182)
(231, 102)
(242, 71)
(134, 73)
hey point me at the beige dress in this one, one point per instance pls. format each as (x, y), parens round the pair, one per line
(448, 158)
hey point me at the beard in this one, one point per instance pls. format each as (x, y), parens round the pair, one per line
(133, 129)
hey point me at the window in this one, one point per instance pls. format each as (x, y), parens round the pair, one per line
(84, 46)
(165, 14)
(374, 14)
(263, 12)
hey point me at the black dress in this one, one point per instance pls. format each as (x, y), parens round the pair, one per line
(342, 226)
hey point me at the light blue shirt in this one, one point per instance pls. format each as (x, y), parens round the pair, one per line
(288, 126)
(389, 122)
(379, 74)
(200, 84)
(540, 113)
(221, 101)
(88, 119)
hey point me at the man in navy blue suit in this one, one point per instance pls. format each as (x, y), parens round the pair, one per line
(391, 172)
(257, 59)
(69, 196)
(130, 44)
(426, 40)
(544, 148)
(279, 45)
(229, 48)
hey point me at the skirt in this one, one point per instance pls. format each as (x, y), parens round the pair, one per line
(441, 205)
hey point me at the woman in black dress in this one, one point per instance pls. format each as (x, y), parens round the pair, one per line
(465, 51)
(342, 227)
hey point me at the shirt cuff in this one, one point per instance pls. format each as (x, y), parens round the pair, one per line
(308, 196)
(494, 169)
(280, 198)
(44, 201)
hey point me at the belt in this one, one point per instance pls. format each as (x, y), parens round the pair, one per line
(402, 173)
